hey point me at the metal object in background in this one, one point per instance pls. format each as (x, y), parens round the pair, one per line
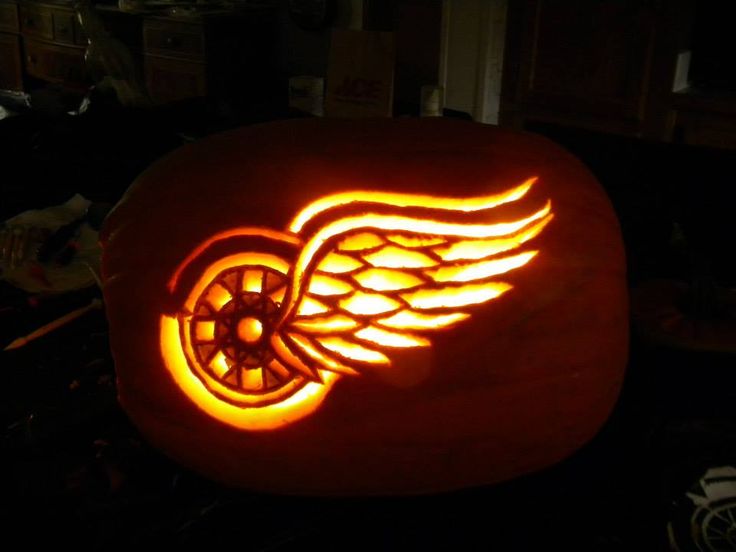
(712, 524)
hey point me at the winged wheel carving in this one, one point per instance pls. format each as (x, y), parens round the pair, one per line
(262, 336)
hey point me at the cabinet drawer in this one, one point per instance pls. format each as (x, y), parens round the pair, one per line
(173, 39)
(55, 63)
(10, 62)
(9, 17)
(64, 27)
(36, 22)
(172, 79)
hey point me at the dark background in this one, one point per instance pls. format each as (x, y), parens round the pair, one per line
(75, 471)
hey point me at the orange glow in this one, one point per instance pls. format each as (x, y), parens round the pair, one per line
(250, 329)
(205, 330)
(385, 279)
(218, 296)
(338, 264)
(471, 294)
(233, 233)
(328, 362)
(410, 320)
(309, 306)
(252, 379)
(364, 240)
(326, 324)
(239, 259)
(391, 339)
(356, 290)
(369, 303)
(252, 280)
(272, 416)
(294, 361)
(408, 200)
(278, 295)
(478, 249)
(279, 369)
(392, 256)
(407, 224)
(219, 364)
(224, 380)
(480, 270)
(325, 285)
(415, 241)
(353, 351)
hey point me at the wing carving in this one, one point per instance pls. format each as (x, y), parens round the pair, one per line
(384, 277)
(261, 334)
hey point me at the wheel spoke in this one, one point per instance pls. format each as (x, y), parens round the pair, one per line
(242, 363)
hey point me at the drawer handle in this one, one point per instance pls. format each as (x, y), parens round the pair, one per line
(30, 22)
(172, 42)
(32, 60)
(63, 30)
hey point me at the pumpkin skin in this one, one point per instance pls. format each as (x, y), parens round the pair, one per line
(524, 382)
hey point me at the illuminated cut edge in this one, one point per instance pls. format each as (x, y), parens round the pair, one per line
(479, 248)
(233, 233)
(386, 279)
(284, 352)
(411, 320)
(219, 388)
(393, 256)
(358, 242)
(393, 223)
(391, 339)
(415, 241)
(368, 304)
(204, 330)
(327, 362)
(303, 403)
(481, 269)
(233, 261)
(325, 324)
(320, 284)
(309, 306)
(335, 263)
(353, 351)
(409, 200)
(218, 296)
(461, 296)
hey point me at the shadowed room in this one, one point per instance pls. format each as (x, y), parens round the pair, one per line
(368, 274)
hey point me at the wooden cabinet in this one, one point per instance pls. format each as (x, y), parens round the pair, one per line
(607, 65)
(8, 17)
(53, 43)
(11, 68)
(43, 41)
(175, 63)
(36, 21)
(225, 56)
(54, 62)
(169, 38)
(169, 80)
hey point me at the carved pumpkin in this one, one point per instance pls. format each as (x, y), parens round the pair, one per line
(373, 307)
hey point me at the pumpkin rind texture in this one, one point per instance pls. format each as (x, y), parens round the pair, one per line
(371, 307)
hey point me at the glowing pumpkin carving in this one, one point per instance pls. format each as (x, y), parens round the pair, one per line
(377, 307)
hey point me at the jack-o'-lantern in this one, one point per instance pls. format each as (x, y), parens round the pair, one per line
(373, 307)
